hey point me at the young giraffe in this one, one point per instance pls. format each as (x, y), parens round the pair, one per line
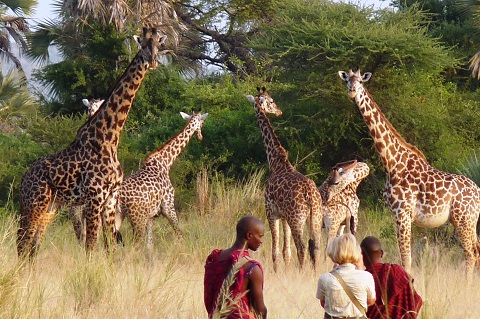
(339, 197)
(87, 172)
(76, 212)
(289, 196)
(415, 191)
(149, 192)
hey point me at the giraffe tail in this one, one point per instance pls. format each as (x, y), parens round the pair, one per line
(311, 250)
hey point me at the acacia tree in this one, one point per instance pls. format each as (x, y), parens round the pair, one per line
(308, 42)
(219, 30)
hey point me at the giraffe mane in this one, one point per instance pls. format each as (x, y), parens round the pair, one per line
(166, 144)
(395, 133)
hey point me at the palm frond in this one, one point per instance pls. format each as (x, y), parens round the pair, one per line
(475, 65)
(44, 35)
(20, 7)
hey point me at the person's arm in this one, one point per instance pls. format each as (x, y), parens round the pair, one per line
(371, 296)
(371, 301)
(256, 291)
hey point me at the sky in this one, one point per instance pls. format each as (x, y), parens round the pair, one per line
(44, 10)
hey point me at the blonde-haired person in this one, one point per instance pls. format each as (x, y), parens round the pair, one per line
(346, 253)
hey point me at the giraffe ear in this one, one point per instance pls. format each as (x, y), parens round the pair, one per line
(86, 102)
(251, 99)
(185, 116)
(343, 75)
(204, 116)
(366, 76)
(137, 40)
(163, 39)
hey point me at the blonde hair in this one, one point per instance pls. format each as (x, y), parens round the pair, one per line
(344, 249)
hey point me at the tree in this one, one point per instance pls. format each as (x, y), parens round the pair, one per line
(15, 99)
(219, 30)
(14, 27)
(307, 42)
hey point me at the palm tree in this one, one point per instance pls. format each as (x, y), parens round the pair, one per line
(472, 8)
(15, 99)
(125, 16)
(14, 27)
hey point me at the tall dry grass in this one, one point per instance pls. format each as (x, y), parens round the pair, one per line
(168, 282)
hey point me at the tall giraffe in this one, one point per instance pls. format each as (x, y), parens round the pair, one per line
(416, 192)
(149, 192)
(76, 212)
(339, 197)
(87, 172)
(289, 196)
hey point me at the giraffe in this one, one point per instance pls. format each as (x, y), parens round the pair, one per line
(87, 172)
(76, 212)
(289, 195)
(339, 197)
(149, 193)
(416, 192)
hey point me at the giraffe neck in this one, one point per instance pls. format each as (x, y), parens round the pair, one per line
(276, 155)
(391, 147)
(105, 126)
(168, 153)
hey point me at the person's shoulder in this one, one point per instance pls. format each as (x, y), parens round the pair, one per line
(326, 276)
(213, 255)
(396, 268)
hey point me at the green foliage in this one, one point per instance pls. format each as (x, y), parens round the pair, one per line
(39, 136)
(306, 43)
(100, 56)
(18, 151)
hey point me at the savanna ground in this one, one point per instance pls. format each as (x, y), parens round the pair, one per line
(168, 282)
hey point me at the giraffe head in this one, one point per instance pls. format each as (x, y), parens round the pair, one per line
(196, 121)
(264, 102)
(354, 81)
(150, 46)
(93, 105)
(344, 174)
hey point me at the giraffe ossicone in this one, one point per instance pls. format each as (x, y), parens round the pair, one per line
(289, 196)
(416, 192)
(87, 172)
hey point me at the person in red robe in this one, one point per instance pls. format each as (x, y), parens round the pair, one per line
(396, 296)
(233, 281)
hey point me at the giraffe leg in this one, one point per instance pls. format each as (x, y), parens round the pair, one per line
(287, 234)
(139, 226)
(404, 238)
(273, 223)
(76, 213)
(92, 222)
(35, 208)
(296, 224)
(297, 233)
(108, 221)
(168, 210)
(468, 239)
(315, 229)
(332, 227)
(149, 233)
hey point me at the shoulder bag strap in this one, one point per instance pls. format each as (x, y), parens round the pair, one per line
(349, 293)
